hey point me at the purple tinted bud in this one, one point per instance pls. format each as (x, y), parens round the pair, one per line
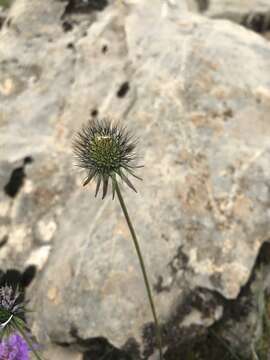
(9, 299)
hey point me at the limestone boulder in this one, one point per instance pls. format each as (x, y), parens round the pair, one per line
(196, 93)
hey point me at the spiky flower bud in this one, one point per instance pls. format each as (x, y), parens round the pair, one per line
(105, 151)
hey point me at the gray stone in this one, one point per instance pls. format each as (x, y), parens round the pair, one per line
(198, 100)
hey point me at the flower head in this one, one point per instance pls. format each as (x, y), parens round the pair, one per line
(14, 348)
(11, 305)
(105, 151)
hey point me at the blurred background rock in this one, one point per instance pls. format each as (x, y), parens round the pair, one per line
(191, 80)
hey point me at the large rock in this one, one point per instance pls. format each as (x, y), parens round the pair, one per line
(196, 93)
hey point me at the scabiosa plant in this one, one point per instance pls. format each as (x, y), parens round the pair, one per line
(107, 152)
(12, 309)
(14, 348)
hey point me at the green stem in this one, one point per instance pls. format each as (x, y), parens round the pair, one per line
(136, 243)
(26, 338)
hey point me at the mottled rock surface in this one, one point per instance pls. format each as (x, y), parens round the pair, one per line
(196, 92)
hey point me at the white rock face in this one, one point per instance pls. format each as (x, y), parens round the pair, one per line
(196, 93)
(39, 257)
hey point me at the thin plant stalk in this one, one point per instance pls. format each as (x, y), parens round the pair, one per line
(136, 244)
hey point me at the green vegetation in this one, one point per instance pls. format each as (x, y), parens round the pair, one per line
(5, 3)
(208, 347)
(262, 345)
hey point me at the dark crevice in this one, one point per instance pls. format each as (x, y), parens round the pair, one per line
(149, 339)
(28, 275)
(201, 348)
(4, 241)
(67, 26)
(159, 287)
(132, 348)
(94, 113)
(85, 6)
(70, 46)
(62, 344)
(15, 182)
(28, 160)
(98, 348)
(2, 20)
(16, 278)
(203, 5)
(11, 277)
(178, 263)
(104, 49)
(17, 178)
(122, 91)
(198, 342)
(257, 21)
(107, 352)
(9, 22)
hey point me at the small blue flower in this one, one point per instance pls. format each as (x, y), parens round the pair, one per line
(14, 348)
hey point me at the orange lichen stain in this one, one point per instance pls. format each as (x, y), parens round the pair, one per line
(205, 81)
(185, 24)
(220, 92)
(195, 195)
(47, 169)
(201, 120)
(184, 156)
(116, 282)
(7, 87)
(61, 133)
(3, 119)
(210, 64)
(121, 229)
(198, 119)
(44, 196)
(262, 94)
(53, 295)
(242, 206)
